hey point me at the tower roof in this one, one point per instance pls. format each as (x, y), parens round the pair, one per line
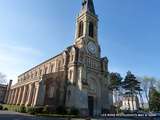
(87, 5)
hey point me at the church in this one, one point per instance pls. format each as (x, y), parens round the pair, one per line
(77, 77)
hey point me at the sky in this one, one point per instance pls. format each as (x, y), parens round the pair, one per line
(32, 31)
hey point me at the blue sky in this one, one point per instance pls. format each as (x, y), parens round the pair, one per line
(32, 31)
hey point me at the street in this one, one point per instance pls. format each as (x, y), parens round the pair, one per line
(8, 115)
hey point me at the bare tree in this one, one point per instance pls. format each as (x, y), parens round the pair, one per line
(147, 82)
(158, 85)
(2, 78)
(145, 86)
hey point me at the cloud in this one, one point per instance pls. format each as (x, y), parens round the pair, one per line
(15, 58)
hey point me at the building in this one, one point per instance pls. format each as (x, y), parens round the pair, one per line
(78, 77)
(130, 103)
(4, 89)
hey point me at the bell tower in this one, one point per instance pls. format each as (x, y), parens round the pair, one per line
(87, 29)
(88, 71)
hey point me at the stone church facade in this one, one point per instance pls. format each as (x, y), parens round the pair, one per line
(78, 77)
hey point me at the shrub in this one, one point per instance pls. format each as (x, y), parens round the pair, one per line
(1, 107)
(38, 109)
(45, 109)
(8, 107)
(17, 109)
(61, 110)
(31, 110)
(5, 109)
(74, 111)
(22, 109)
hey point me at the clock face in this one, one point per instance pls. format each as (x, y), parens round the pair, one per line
(91, 47)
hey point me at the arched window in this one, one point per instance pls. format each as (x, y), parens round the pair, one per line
(51, 92)
(40, 72)
(80, 29)
(51, 68)
(45, 72)
(36, 74)
(91, 29)
(59, 64)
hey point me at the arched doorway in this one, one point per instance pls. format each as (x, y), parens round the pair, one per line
(94, 95)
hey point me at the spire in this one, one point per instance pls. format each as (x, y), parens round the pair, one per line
(87, 5)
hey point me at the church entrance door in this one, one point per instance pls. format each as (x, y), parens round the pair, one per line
(91, 105)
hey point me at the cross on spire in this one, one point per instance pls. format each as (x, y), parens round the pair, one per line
(88, 5)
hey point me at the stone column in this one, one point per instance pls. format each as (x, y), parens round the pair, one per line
(12, 97)
(19, 96)
(36, 95)
(24, 95)
(9, 97)
(30, 95)
(15, 96)
(33, 95)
